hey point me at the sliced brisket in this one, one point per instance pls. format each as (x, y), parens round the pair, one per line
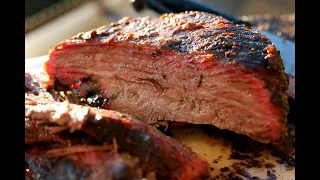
(157, 152)
(84, 166)
(190, 67)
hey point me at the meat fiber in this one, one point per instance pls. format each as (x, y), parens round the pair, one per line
(157, 152)
(191, 67)
(87, 165)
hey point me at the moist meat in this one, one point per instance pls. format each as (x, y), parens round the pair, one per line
(157, 152)
(190, 67)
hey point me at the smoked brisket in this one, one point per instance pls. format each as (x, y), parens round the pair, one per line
(156, 152)
(191, 67)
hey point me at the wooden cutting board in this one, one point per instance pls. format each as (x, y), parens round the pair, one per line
(214, 148)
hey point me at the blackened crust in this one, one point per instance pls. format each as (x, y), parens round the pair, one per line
(90, 166)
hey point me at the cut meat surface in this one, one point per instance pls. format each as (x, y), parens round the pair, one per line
(191, 67)
(157, 152)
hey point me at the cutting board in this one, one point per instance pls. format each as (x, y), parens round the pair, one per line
(213, 148)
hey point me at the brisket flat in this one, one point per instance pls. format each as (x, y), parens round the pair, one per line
(156, 152)
(191, 67)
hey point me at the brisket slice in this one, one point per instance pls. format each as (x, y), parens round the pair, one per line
(50, 133)
(53, 153)
(157, 152)
(87, 165)
(190, 67)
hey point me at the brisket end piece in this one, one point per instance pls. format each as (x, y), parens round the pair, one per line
(88, 165)
(157, 152)
(190, 67)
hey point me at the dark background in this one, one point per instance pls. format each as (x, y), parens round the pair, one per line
(235, 7)
(47, 22)
(251, 7)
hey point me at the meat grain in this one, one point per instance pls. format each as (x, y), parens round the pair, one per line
(191, 67)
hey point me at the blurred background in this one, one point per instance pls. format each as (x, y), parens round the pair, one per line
(48, 22)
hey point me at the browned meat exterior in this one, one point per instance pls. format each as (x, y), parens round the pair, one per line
(190, 67)
(157, 152)
(44, 132)
(35, 133)
(88, 165)
(54, 153)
